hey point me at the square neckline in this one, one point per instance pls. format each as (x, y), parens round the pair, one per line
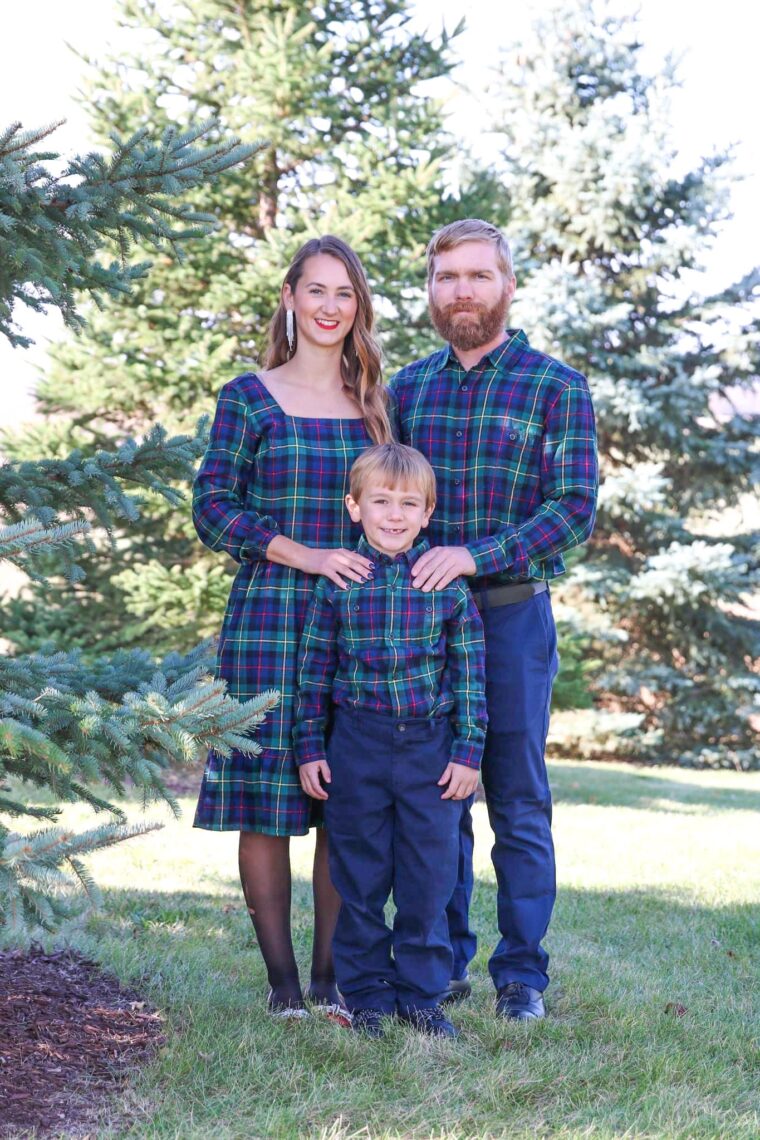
(306, 419)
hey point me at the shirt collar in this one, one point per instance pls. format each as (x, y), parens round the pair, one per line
(408, 556)
(513, 339)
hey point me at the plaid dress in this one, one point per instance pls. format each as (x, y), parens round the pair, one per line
(267, 473)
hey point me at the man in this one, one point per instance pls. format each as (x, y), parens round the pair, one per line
(510, 435)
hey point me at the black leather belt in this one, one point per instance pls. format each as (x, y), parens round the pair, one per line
(507, 595)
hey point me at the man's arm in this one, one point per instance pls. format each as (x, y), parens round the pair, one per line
(569, 481)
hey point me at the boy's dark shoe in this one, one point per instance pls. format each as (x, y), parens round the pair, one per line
(519, 1002)
(430, 1020)
(459, 989)
(368, 1022)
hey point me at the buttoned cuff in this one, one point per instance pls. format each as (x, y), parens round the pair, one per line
(261, 529)
(308, 746)
(467, 752)
(497, 553)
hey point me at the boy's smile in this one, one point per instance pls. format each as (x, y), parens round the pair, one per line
(392, 517)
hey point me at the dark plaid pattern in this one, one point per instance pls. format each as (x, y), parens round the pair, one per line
(513, 446)
(267, 473)
(383, 646)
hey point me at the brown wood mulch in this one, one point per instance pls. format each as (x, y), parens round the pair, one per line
(69, 1037)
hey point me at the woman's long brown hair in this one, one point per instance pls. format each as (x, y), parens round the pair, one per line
(361, 364)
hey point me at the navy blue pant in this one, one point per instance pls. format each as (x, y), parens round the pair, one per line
(390, 832)
(521, 664)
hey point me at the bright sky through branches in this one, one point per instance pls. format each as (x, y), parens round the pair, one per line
(715, 107)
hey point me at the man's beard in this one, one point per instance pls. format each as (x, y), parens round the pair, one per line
(479, 327)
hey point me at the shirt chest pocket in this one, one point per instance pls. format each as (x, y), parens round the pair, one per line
(511, 444)
(396, 618)
(421, 619)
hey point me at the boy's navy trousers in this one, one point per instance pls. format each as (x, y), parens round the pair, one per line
(521, 663)
(391, 833)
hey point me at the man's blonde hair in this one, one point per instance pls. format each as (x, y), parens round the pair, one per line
(470, 229)
(397, 466)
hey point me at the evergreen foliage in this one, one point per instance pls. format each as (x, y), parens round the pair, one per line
(606, 223)
(53, 224)
(353, 145)
(81, 729)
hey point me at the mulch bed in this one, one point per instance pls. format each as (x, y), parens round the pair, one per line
(69, 1037)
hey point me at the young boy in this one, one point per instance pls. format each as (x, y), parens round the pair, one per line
(401, 674)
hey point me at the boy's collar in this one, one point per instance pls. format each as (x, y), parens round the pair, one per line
(410, 556)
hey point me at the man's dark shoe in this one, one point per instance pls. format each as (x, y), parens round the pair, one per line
(519, 1002)
(368, 1022)
(459, 989)
(431, 1020)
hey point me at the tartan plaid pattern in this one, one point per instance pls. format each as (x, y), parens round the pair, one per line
(383, 646)
(513, 446)
(266, 473)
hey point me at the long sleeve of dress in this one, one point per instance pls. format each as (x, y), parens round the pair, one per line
(221, 518)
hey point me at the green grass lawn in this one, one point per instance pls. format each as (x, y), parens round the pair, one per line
(653, 1008)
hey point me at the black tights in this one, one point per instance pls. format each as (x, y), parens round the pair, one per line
(265, 876)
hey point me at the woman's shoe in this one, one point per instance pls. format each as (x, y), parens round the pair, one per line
(286, 1012)
(335, 1011)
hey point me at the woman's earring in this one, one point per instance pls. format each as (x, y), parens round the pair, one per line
(290, 329)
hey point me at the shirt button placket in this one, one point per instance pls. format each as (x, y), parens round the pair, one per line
(460, 450)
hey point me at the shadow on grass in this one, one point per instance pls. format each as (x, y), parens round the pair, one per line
(143, 928)
(640, 788)
(636, 974)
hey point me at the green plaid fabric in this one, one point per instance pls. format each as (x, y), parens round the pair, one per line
(383, 646)
(513, 445)
(267, 473)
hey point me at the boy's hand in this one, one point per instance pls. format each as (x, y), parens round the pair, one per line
(462, 781)
(310, 778)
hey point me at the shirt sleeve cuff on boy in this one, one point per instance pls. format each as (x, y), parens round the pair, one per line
(467, 752)
(308, 748)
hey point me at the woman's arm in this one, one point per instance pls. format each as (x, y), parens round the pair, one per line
(334, 563)
(219, 514)
(221, 518)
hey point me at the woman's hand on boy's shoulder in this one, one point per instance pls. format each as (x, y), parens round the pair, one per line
(338, 564)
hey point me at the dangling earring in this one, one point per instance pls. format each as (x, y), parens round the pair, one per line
(290, 329)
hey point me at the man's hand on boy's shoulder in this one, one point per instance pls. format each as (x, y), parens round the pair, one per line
(313, 776)
(442, 564)
(462, 781)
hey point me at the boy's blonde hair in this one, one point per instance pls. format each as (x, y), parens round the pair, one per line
(469, 229)
(396, 464)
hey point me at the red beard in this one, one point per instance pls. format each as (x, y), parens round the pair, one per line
(480, 326)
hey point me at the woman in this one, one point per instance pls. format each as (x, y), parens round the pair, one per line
(270, 493)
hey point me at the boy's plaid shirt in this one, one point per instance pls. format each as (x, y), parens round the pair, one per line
(387, 647)
(513, 446)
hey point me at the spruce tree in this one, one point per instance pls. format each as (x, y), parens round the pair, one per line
(351, 146)
(606, 223)
(82, 729)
